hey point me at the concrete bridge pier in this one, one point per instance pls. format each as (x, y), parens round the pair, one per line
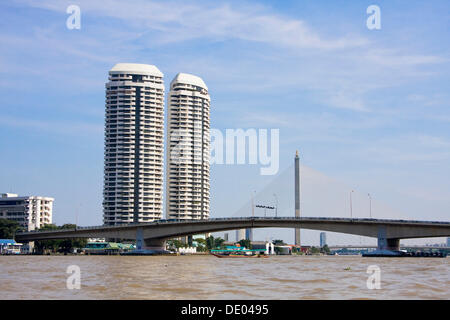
(387, 247)
(389, 244)
(155, 245)
(385, 243)
(149, 246)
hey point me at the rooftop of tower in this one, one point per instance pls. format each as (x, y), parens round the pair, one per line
(189, 79)
(136, 68)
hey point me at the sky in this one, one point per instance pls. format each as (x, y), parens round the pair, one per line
(369, 110)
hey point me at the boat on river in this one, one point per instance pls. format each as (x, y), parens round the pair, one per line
(238, 252)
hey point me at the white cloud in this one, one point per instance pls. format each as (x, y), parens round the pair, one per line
(181, 21)
(433, 142)
(345, 100)
(339, 71)
(394, 58)
(408, 148)
(59, 127)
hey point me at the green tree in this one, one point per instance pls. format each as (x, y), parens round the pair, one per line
(326, 249)
(219, 242)
(64, 245)
(210, 243)
(175, 244)
(42, 246)
(314, 250)
(201, 244)
(245, 243)
(278, 242)
(68, 245)
(201, 241)
(214, 243)
(8, 228)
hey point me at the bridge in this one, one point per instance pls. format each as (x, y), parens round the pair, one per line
(152, 236)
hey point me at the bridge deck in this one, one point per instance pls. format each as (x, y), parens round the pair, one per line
(165, 229)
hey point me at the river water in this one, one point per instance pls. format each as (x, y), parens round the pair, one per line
(207, 277)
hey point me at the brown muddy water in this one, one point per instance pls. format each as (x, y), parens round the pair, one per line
(207, 277)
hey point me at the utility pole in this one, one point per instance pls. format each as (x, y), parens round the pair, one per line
(276, 205)
(253, 203)
(370, 205)
(351, 209)
(249, 231)
(76, 216)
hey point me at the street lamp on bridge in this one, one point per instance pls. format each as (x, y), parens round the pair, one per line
(265, 207)
(351, 208)
(276, 205)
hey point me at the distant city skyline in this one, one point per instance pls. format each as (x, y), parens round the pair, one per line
(368, 109)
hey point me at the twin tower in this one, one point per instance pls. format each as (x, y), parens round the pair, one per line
(134, 146)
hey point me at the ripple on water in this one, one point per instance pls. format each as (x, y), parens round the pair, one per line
(205, 277)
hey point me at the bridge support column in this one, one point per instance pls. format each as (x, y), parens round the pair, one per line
(393, 244)
(139, 239)
(387, 243)
(148, 246)
(155, 245)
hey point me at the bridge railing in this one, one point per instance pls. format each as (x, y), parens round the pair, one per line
(169, 221)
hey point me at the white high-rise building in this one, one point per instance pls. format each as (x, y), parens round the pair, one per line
(134, 146)
(188, 153)
(240, 235)
(30, 212)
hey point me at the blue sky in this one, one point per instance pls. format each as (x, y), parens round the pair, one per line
(367, 108)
